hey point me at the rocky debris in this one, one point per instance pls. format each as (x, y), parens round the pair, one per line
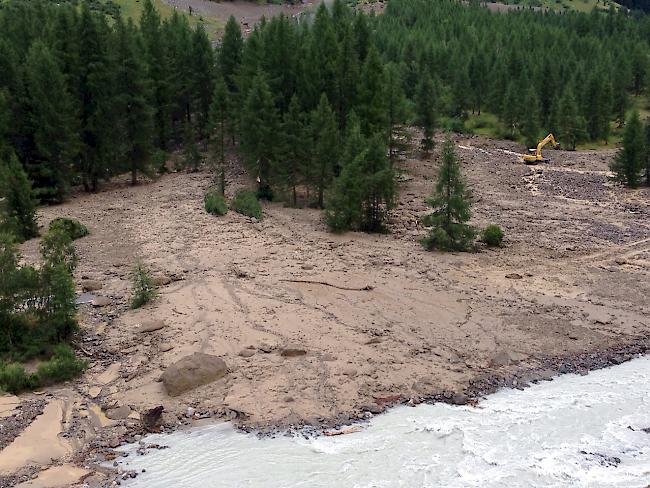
(152, 419)
(514, 276)
(506, 358)
(349, 371)
(307, 267)
(372, 408)
(246, 353)
(292, 352)
(13, 425)
(165, 347)
(620, 261)
(289, 399)
(162, 280)
(266, 348)
(118, 413)
(459, 399)
(193, 371)
(91, 285)
(151, 326)
(101, 302)
(374, 340)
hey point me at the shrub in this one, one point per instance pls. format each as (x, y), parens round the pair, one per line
(492, 235)
(246, 203)
(62, 366)
(57, 248)
(14, 379)
(144, 288)
(71, 227)
(215, 203)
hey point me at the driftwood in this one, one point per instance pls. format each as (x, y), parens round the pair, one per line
(351, 430)
(311, 282)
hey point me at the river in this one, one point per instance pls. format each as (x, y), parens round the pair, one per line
(574, 431)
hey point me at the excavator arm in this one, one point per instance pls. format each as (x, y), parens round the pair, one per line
(537, 156)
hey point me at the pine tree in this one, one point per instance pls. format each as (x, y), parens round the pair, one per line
(230, 53)
(17, 204)
(530, 126)
(53, 125)
(450, 201)
(425, 106)
(259, 129)
(396, 106)
(629, 161)
(136, 115)
(158, 72)
(372, 98)
(192, 155)
(202, 77)
(324, 154)
(290, 167)
(571, 125)
(220, 114)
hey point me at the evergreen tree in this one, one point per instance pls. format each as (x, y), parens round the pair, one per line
(324, 134)
(290, 167)
(202, 77)
(219, 116)
(571, 125)
(136, 115)
(230, 53)
(259, 129)
(425, 106)
(372, 98)
(192, 154)
(17, 204)
(53, 124)
(396, 106)
(530, 127)
(629, 161)
(451, 203)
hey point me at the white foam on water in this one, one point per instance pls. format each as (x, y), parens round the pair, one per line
(575, 431)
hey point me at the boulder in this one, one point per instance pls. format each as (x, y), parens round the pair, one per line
(246, 353)
(459, 399)
(162, 280)
(119, 413)
(372, 408)
(151, 326)
(152, 418)
(91, 285)
(101, 302)
(193, 371)
(514, 276)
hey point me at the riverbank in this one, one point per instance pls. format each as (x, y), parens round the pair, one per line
(576, 431)
(567, 293)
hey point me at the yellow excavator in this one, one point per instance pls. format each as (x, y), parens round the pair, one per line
(535, 155)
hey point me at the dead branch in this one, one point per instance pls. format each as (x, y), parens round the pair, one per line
(311, 282)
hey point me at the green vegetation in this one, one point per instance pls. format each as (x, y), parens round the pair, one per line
(245, 203)
(630, 161)
(71, 227)
(143, 287)
(451, 203)
(215, 203)
(17, 204)
(63, 365)
(492, 236)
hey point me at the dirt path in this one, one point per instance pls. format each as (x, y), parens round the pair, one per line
(572, 282)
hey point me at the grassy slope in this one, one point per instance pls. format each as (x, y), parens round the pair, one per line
(133, 9)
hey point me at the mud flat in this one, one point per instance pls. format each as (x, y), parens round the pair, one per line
(320, 330)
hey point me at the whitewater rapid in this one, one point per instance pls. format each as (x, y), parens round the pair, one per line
(574, 431)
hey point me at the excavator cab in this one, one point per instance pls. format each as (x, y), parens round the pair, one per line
(535, 156)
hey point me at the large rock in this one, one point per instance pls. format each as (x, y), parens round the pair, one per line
(91, 285)
(151, 326)
(193, 371)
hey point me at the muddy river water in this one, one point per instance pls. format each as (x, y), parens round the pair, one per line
(574, 431)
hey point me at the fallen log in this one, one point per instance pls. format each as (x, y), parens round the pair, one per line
(325, 283)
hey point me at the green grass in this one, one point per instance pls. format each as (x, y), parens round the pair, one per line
(133, 9)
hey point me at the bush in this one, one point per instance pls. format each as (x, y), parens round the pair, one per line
(144, 288)
(492, 235)
(215, 203)
(57, 248)
(72, 227)
(14, 379)
(62, 366)
(246, 203)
